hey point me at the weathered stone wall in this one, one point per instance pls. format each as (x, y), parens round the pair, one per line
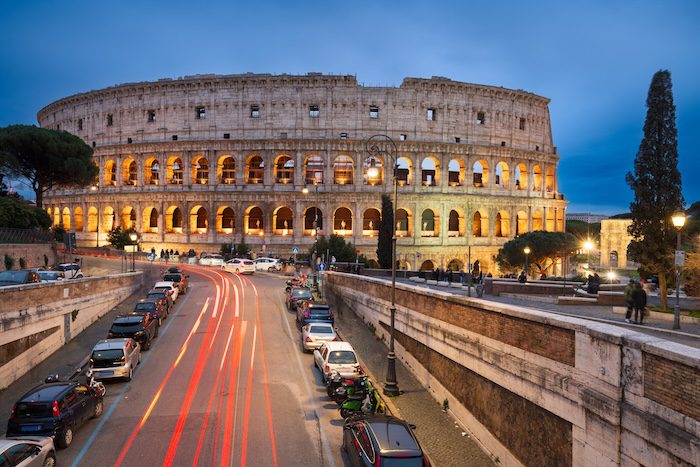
(537, 388)
(32, 252)
(37, 319)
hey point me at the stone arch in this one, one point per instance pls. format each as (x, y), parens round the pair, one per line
(371, 219)
(537, 178)
(174, 219)
(343, 170)
(537, 221)
(342, 222)
(560, 220)
(502, 224)
(255, 170)
(312, 214)
(480, 171)
(283, 221)
(226, 170)
(549, 225)
(430, 223)
(502, 178)
(65, 218)
(128, 218)
(427, 265)
(313, 170)
(225, 220)
(373, 264)
(200, 170)
(199, 220)
(455, 223)
(92, 220)
(56, 216)
(521, 177)
(614, 257)
(430, 171)
(175, 171)
(455, 265)
(108, 218)
(456, 172)
(549, 179)
(404, 171)
(129, 171)
(109, 173)
(373, 162)
(152, 171)
(480, 224)
(78, 219)
(150, 220)
(521, 223)
(404, 223)
(254, 221)
(284, 169)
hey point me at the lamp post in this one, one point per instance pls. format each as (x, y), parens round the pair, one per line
(315, 224)
(527, 251)
(678, 222)
(133, 237)
(376, 148)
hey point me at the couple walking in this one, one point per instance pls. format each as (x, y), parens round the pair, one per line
(636, 299)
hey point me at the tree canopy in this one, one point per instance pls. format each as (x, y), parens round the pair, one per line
(656, 183)
(545, 249)
(118, 237)
(45, 158)
(20, 214)
(386, 226)
(343, 251)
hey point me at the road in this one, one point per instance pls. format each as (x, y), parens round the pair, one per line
(224, 384)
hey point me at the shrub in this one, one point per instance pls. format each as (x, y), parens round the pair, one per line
(22, 263)
(9, 262)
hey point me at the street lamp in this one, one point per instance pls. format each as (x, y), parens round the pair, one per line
(375, 148)
(314, 233)
(588, 246)
(527, 251)
(678, 222)
(133, 237)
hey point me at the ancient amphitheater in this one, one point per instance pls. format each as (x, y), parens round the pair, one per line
(201, 160)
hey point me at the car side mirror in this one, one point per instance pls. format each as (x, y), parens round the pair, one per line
(412, 426)
(36, 450)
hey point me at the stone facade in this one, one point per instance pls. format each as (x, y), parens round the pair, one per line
(198, 161)
(614, 241)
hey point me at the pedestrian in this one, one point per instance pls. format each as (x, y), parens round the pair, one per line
(522, 278)
(167, 256)
(629, 291)
(639, 300)
(162, 254)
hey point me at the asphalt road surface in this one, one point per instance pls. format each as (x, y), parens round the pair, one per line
(225, 383)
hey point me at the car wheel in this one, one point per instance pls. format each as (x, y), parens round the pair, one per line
(130, 375)
(50, 461)
(99, 407)
(66, 438)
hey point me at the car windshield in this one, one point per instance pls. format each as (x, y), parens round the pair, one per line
(302, 293)
(155, 295)
(33, 410)
(319, 311)
(163, 287)
(342, 356)
(48, 275)
(127, 327)
(147, 306)
(172, 277)
(321, 329)
(108, 354)
(402, 461)
(16, 277)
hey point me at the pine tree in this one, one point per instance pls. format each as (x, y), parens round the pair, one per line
(385, 233)
(656, 183)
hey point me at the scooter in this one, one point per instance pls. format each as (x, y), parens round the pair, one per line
(356, 387)
(97, 386)
(369, 402)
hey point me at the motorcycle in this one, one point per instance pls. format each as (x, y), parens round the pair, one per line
(97, 386)
(350, 387)
(365, 402)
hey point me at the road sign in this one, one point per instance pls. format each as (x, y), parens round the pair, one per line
(322, 266)
(332, 259)
(680, 258)
(131, 248)
(295, 250)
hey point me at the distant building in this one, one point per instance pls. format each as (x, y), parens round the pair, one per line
(614, 241)
(585, 217)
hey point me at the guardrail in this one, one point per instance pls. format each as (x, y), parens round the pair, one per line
(9, 235)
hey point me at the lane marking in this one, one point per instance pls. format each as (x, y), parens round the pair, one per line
(229, 421)
(248, 393)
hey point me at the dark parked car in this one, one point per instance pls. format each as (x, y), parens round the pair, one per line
(154, 307)
(179, 279)
(54, 409)
(381, 440)
(312, 312)
(24, 276)
(163, 296)
(139, 327)
(296, 296)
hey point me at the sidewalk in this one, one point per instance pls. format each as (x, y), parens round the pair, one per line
(437, 431)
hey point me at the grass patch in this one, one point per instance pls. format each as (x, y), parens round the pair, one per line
(693, 313)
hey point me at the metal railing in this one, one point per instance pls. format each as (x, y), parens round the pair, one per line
(9, 235)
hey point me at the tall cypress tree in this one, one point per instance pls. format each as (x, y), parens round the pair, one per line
(385, 233)
(656, 183)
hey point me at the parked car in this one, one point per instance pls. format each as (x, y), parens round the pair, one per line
(141, 328)
(240, 266)
(297, 295)
(336, 356)
(29, 451)
(115, 358)
(50, 276)
(313, 312)
(169, 287)
(154, 307)
(163, 296)
(313, 335)
(179, 279)
(371, 440)
(54, 409)
(268, 264)
(211, 260)
(24, 276)
(70, 270)
(175, 270)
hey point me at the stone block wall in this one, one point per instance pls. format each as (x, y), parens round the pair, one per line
(33, 253)
(537, 388)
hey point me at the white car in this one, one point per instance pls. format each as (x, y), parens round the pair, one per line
(336, 356)
(168, 286)
(313, 335)
(211, 260)
(267, 264)
(27, 451)
(70, 270)
(240, 266)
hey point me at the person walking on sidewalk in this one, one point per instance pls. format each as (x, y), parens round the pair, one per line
(639, 300)
(629, 290)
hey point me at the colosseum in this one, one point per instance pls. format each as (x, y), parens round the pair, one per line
(202, 160)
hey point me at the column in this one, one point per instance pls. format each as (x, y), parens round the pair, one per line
(212, 156)
(187, 170)
(240, 161)
(140, 169)
(299, 169)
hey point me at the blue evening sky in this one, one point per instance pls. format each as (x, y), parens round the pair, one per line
(593, 59)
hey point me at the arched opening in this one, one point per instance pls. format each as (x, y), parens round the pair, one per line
(373, 170)
(370, 222)
(128, 218)
(521, 224)
(549, 180)
(502, 175)
(254, 221)
(454, 224)
(56, 216)
(455, 172)
(283, 221)
(152, 171)
(343, 170)
(92, 219)
(284, 169)
(560, 220)
(480, 225)
(537, 178)
(65, 218)
(174, 171)
(313, 220)
(502, 224)
(199, 221)
(108, 219)
(403, 223)
(110, 175)
(550, 220)
(173, 220)
(430, 171)
(537, 223)
(521, 177)
(130, 171)
(227, 170)
(225, 220)
(429, 224)
(427, 265)
(480, 173)
(404, 171)
(342, 222)
(373, 264)
(200, 170)
(78, 217)
(613, 259)
(455, 265)
(313, 170)
(255, 170)
(150, 220)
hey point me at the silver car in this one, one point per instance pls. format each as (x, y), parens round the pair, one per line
(27, 451)
(315, 334)
(115, 358)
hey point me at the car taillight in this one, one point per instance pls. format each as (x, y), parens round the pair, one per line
(55, 410)
(14, 408)
(308, 339)
(306, 313)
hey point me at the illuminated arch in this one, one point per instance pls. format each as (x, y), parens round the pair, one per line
(502, 178)
(199, 220)
(343, 170)
(537, 221)
(480, 224)
(404, 223)
(313, 170)
(152, 171)
(430, 223)
(175, 171)
(129, 171)
(78, 218)
(226, 220)
(521, 223)
(254, 221)
(283, 221)
(456, 172)
(480, 173)
(110, 174)
(312, 214)
(284, 169)
(549, 179)
(173, 220)
(128, 218)
(65, 219)
(150, 220)
(342, 222)
(502, 224)
(404, 171)
(371, 219)
(108, 218)
(521, 177)
(255, 170)
(430, 171)
(200, 170)
(537, 178)
(226, 170)
(92, 219)
(455, 223)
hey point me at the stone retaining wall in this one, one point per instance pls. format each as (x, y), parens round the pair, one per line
(33, 253)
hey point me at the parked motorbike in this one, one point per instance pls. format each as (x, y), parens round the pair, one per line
(356, 387)
(97, 386)
(363, 402)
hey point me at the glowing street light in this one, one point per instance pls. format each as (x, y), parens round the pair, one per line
(588, 246)
(527, 251)
(678, 220)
